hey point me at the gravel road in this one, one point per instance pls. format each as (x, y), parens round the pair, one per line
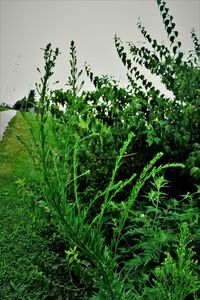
(5, 117)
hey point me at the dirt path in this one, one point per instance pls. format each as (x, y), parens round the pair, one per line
(5, 117)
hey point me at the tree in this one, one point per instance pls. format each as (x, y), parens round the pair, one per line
(26, 103)
(20, 104)
(171, 124)
(31, 100)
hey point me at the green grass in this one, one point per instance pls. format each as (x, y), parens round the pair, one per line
(30, 265)
(14, 160)
(2, 108)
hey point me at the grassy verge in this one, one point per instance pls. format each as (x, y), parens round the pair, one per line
(2, 108)
(30, 265)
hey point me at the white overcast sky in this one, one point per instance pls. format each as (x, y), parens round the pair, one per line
(27, 25)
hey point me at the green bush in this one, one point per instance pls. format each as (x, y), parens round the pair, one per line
(127, 235)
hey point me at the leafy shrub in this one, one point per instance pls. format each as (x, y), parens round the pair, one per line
(126, 238)
(171, 125)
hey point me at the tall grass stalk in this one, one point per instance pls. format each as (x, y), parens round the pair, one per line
(49, 57)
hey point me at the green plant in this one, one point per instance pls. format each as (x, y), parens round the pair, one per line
(176, 278)
(32, 264)
(169, 124)
(115, 237)
(74, 222)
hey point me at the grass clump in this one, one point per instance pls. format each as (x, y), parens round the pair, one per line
(32, 253)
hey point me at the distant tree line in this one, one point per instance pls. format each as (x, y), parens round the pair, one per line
(5, 105)
(26, 103)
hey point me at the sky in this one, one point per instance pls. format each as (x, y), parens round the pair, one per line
(27, 26)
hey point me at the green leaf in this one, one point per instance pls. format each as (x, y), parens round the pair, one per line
(169, 30)
(166, 23)
(172, 38)
(162, 8)
(128, 63)
(83, 124)
(179, 44)
(175, 49)
(176, 33)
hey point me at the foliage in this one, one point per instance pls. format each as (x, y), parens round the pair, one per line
(19, 104)
(109, 172)
(26, 103)
(171, 124)
(32, 264)
(174, 279)
(98, 231)
(4, 106)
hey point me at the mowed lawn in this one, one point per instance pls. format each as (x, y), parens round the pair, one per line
(32, 263)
